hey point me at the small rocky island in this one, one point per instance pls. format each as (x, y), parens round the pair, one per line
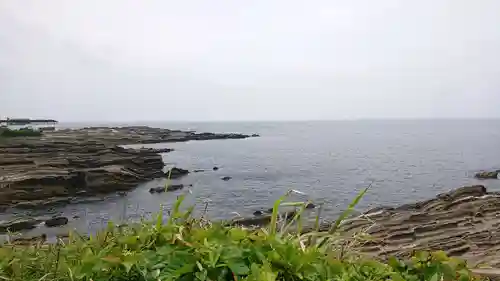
(61, 165)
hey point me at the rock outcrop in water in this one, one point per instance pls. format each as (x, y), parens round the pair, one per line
(18, 225)
(161, 189)
(140, 135)
(464, 222)
(488, 175)
(176, 173)
(57, 221)
(60, 165)
(41, 170)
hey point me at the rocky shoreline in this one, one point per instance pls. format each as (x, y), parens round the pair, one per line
(65, 164)
(62, 166)
(463, 222)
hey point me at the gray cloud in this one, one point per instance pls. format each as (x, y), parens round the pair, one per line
(249, 60)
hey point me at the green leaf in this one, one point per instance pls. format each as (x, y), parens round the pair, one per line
(439, 256)
(464, 275)
(336, 266)
(128, 265)
(155, 273)
(435, 277)
(129, 240)
(238, 233)
(397, 277)
(159, 218)
(238, 268)
(112, 259)
(201, 275)
(422, 256)
(345, 214)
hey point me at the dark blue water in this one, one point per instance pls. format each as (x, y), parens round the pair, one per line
(332, 161)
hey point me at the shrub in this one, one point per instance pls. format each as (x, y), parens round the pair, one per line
(184, 248)
(8, 133)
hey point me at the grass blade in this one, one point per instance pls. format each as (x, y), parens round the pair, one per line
(345, 214)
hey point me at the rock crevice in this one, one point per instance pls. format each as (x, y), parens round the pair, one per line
(463, 222)
(67, 163)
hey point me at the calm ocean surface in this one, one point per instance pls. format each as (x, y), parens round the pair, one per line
(331, 161)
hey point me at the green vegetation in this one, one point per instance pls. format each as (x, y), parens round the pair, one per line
(180, 247)
(8, 133)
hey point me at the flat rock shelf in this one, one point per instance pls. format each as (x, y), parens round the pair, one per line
(60, 165)
(463, 222)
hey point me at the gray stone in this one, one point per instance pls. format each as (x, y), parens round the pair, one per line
(57, 221)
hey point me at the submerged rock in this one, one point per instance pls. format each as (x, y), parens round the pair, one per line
(310, 206)
(161, 189)
(158, 189)
(226, 178)
(57, 221)
(258, 213)
(488, 175)
(157, 150)
(215, 168)
(174, 187)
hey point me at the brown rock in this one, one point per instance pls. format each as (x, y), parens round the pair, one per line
(462, 222)
(488, 175)
(18, 225)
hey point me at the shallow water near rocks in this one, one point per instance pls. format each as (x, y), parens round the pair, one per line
(331, 161)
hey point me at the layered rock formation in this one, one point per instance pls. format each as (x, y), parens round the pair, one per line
(31, 170)
(464, 222)
(139, 135)
(54, 168)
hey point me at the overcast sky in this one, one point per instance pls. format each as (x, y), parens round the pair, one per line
(129, 60)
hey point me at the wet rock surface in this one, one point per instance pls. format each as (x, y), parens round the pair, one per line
(57, 221)
(176, 173)
(488, 175)
(18, 225)
(161, 189)
(464, 222)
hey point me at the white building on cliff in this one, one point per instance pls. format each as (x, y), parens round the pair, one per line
(34, 124)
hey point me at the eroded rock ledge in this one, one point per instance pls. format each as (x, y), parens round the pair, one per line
(54, 168)
(464, 222)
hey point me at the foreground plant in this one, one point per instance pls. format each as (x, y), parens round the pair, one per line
(181, 247)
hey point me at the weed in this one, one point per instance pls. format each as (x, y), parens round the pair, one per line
(8, 133)
(182, 247)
